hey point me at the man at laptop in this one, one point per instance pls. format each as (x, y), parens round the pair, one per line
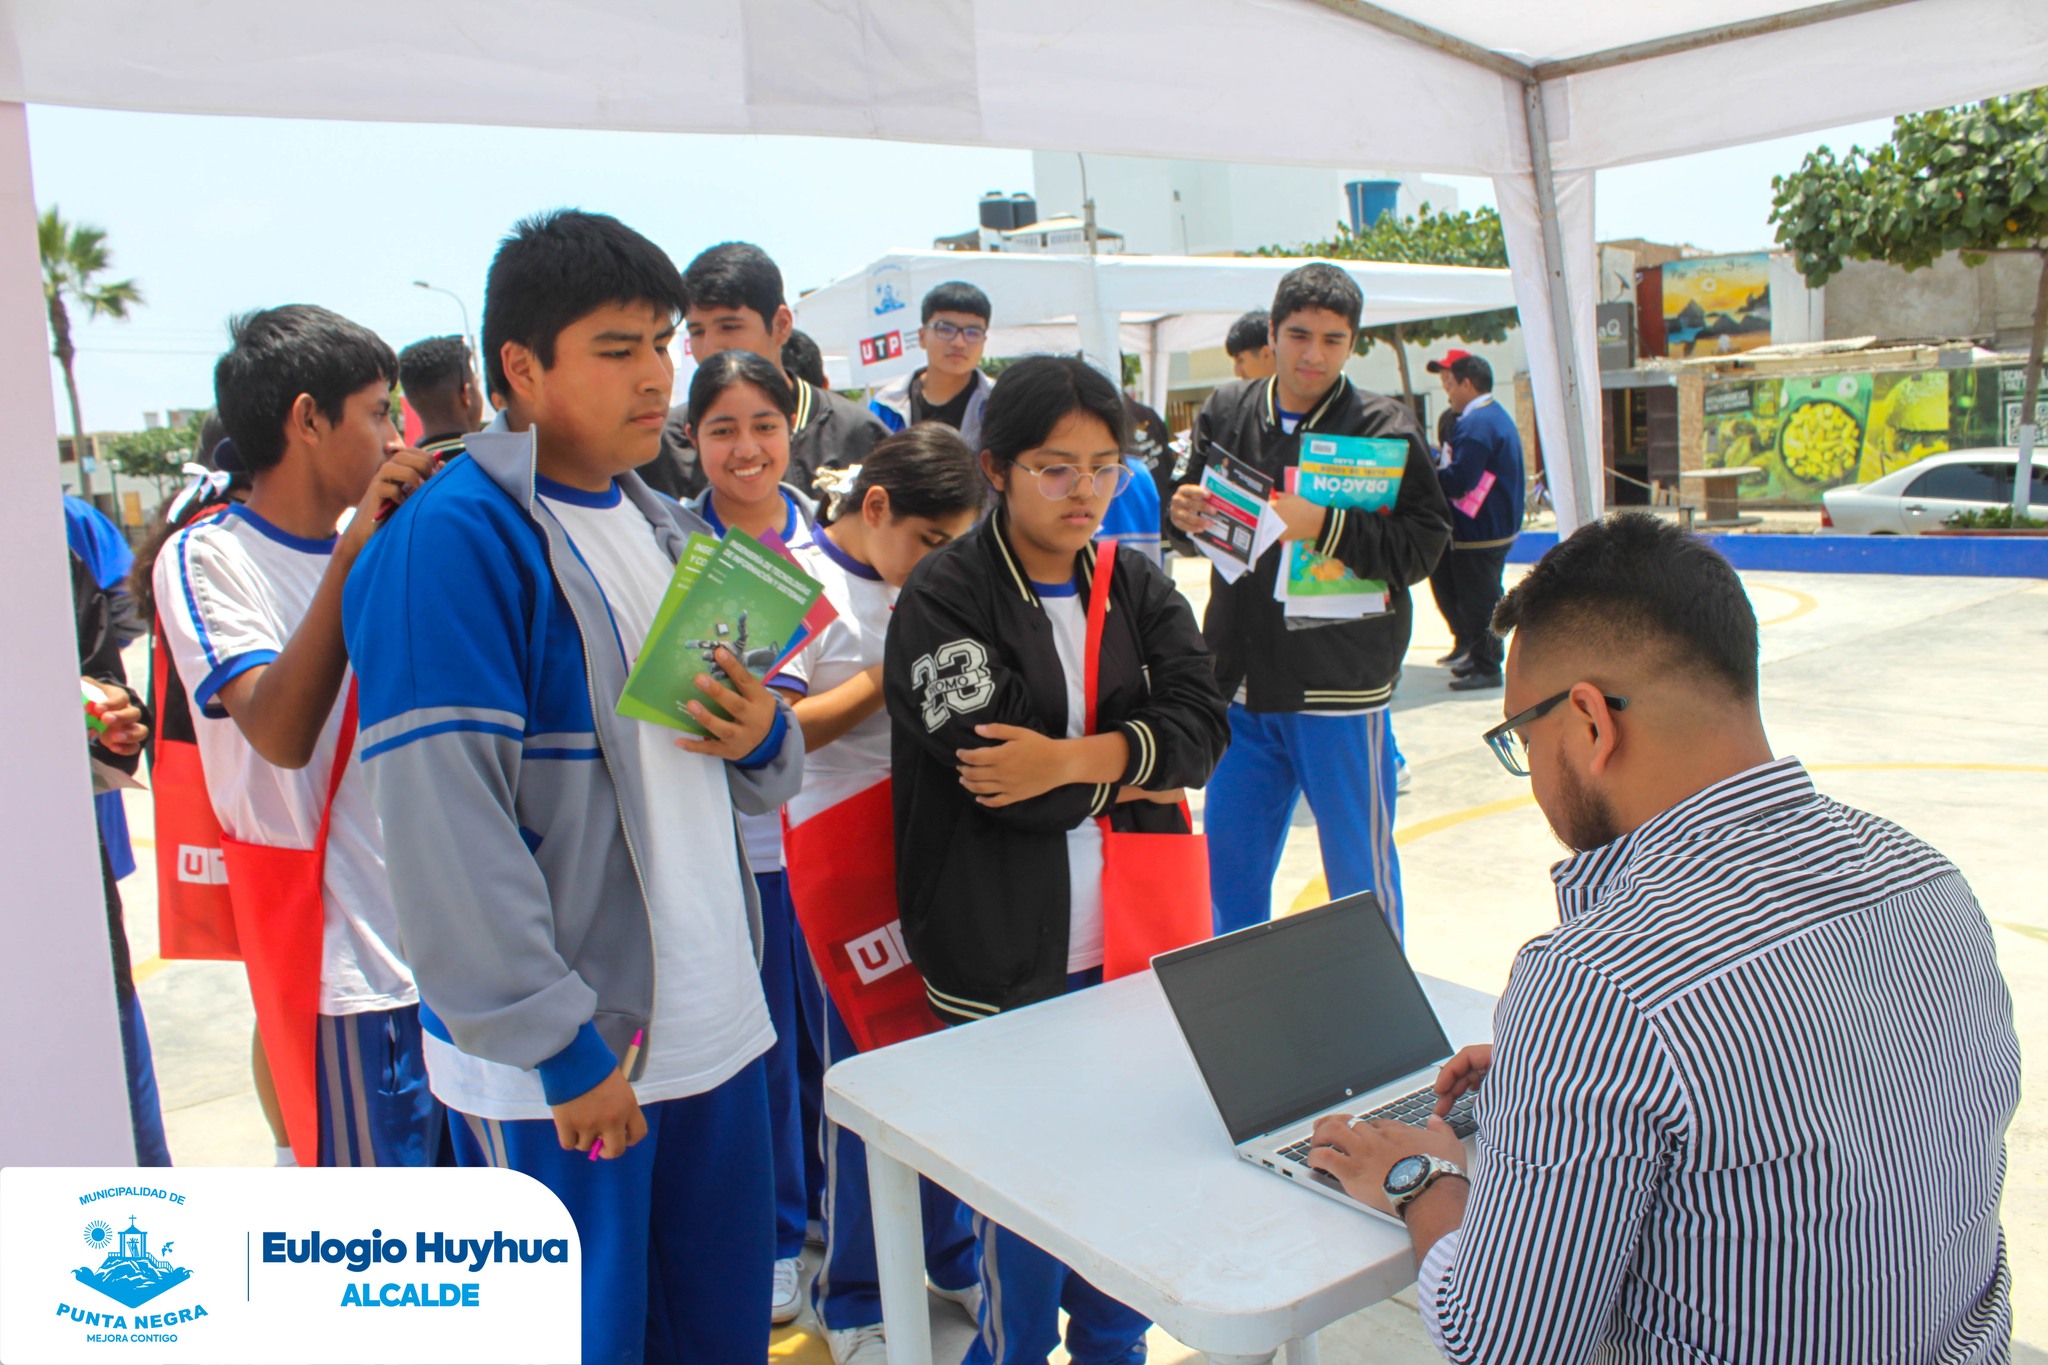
(1749, 1100)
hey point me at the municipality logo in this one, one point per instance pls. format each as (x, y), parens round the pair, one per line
(131, 1274)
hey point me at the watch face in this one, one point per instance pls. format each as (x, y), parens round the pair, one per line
(1407, 1173)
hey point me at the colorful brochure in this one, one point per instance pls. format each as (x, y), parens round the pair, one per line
(1357, 473)
(822, 612)
(734, 593)
(1242, 524)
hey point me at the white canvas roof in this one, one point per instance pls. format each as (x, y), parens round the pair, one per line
(1147, 306)
(1538, 96)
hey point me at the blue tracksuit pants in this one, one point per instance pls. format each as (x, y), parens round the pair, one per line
(678, 1248)
(1345, 765)
(845, 1293)
(794, 1073)
(1024, 1290)
(375, 1107)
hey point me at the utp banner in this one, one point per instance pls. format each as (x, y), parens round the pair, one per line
(267, 1265)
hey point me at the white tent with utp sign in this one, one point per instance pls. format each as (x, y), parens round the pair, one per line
(1536, 96)
(1147, 306)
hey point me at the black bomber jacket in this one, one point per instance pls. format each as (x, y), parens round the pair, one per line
(1349, 665)
(983, 892)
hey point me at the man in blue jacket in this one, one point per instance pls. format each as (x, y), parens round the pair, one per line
(571, 888)
(1483, 483)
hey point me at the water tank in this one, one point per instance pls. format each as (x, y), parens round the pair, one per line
(1370, 200)
(997, 212)
(1023, 210)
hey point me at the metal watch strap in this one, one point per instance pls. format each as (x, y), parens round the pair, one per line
(1438, 1170)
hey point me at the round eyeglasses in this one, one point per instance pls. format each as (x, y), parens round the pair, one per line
(953, 331)
(1060, 480)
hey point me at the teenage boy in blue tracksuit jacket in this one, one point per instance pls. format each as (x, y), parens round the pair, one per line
(571, 889)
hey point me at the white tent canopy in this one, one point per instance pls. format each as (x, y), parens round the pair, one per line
(1536, 96)
(1147, 306)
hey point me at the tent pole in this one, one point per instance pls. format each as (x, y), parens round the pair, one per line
(1587, 476)
(63, 1096)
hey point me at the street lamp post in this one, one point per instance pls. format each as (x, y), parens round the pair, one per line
(475, 349)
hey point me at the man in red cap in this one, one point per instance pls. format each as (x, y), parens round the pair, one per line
(1483, 482)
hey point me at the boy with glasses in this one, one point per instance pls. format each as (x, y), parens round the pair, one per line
(950, 388)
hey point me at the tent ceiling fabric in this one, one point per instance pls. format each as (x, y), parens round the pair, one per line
(1031, 73)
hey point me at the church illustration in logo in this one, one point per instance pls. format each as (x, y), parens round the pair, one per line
(130, 1275)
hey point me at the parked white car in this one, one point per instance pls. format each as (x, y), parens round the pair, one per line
(1921, 496)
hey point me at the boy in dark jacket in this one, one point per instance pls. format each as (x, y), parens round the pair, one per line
(1308, 713)
(1483, 480)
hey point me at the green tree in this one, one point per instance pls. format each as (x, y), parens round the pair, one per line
(1972, 180)
(1429, 238)
(158, 454)
(75, 258)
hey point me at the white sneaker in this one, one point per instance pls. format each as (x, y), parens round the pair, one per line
(788, 1299)
(969, 1299)
(857, 1345)
(1402, 782)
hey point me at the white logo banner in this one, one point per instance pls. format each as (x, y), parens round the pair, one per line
(263, 1265)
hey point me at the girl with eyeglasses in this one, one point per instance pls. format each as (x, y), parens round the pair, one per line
(1000, 779)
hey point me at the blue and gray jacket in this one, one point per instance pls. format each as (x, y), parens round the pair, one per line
(511, 793)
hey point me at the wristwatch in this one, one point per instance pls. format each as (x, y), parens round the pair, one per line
(1412, 1175)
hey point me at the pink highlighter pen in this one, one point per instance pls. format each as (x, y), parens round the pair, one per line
(625, 1069)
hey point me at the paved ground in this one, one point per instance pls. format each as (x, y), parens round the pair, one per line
(1917, 698)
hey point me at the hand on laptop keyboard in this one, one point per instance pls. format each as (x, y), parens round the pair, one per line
(1413, 1109)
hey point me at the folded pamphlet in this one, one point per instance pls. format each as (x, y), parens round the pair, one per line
(734, 593)
(1241, 523)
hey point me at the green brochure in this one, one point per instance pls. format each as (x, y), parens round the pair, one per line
(1360, 473)
(734, 593)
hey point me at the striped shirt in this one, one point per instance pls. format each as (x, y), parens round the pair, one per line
(1748, 1103)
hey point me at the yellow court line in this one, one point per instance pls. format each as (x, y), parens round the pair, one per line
(1318, 889)
(798, 1347)
(1804, 605)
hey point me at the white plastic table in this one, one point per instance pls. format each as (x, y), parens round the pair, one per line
(1083, 1125)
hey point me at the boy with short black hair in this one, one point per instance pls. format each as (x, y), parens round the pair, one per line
(1250, 344)
(440, 384)
(737, 303)
(250, 603)
(1309, 704)
(950, 386)
(574, 896)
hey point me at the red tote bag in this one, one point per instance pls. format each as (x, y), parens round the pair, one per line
(841, 870)
(195, 918)
(280, 919)
(1155, 887)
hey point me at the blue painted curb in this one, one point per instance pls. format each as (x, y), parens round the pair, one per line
(1918, 556)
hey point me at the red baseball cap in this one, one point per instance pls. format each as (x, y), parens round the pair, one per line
(1450, 358)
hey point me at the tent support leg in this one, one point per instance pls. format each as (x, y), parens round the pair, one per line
(1589, 476)
(63, 1100)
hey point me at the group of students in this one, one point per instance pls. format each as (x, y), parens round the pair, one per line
(561, 940)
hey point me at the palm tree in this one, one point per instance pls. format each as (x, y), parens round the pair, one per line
(74, 258)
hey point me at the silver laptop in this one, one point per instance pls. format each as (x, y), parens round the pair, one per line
(1318, 1013)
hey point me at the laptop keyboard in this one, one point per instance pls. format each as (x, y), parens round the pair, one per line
(1413, 1108)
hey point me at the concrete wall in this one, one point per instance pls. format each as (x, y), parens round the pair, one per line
(1993, 301)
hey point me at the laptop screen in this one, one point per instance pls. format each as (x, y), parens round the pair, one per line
(1292, 1018)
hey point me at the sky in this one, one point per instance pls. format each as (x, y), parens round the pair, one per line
(214, 216)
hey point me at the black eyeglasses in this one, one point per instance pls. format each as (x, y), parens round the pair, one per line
(1505, 739)
(947, 331)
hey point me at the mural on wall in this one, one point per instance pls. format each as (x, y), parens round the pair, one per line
(1811, 433)
(1717, 305)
